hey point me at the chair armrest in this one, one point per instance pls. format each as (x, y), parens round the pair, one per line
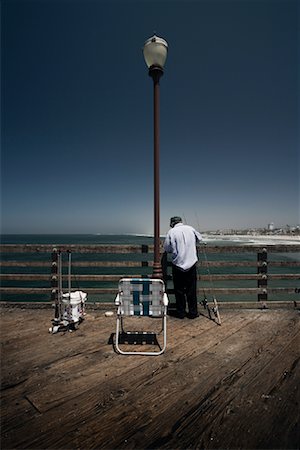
(117, 300)
(165, 300)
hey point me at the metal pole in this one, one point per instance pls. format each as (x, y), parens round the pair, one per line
(156, 73)
(69, 274)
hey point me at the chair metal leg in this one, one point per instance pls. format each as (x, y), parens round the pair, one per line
(122, 352)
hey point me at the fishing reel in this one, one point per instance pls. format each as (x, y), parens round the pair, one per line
(204, 303)
(210, 309)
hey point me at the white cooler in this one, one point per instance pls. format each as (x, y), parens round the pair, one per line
(73, 306)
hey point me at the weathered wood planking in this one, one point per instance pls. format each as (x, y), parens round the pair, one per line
(101, 248)
(233, 386)
(208, 290)
(14, 263)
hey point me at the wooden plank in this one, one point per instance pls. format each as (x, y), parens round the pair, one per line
(78, 264)
(269, 416)
(233, 409)
(152, 401)
(286, 276)
(173, 401)
(22, 290)
(25, 277)
(29, 290)
(236, 291)
(280, 290)
(37, 323)
(80, 383)
(233, 277)
(283, 263)
(46, 248)
(102, 306)
(14, 263)
(208, 290)
(236, 264)
(100, 248)
(193, 400)
(48, 277)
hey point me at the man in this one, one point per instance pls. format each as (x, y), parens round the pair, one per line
(181, 243)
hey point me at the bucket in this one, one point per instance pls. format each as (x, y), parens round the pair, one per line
(73, 306)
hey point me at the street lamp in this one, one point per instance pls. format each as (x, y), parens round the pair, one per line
(155, 54)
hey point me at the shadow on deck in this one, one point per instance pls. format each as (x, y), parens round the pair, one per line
(222, 387)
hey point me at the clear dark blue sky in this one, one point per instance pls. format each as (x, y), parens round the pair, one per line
(76, 121)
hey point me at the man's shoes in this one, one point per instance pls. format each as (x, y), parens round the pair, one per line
(176, 314)
(192, 316)
(180, 316)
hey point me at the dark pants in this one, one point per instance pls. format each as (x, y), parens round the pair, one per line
(185, 288)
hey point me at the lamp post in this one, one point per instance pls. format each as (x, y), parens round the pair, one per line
(155, 54)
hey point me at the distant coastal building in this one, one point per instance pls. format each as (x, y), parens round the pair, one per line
(271, 226)
(268, 230)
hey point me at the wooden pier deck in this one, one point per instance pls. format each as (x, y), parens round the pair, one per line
(233, 386)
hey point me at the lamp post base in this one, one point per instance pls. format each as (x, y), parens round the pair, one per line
(157, 271)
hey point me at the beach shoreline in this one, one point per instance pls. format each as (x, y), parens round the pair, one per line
(252, 239)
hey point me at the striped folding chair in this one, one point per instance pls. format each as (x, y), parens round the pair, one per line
(141, 297)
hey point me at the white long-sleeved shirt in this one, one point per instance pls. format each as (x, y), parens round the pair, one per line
(181, 243)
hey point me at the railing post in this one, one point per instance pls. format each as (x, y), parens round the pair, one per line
(262, 280)
(54, 283)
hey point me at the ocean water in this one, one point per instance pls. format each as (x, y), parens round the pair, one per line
(92, 239)
(84, 239)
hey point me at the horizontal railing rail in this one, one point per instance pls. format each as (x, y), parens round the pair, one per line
(117, 248)
(28, 271)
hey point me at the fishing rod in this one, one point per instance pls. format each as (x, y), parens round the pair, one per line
(71, 306)
(58, 319)
(69, 272)
(60, 285)
(206, 304)
(82, 297)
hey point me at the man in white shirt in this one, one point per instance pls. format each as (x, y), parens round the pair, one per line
(181, 243)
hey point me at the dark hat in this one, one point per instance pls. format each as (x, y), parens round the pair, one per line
(174, 220)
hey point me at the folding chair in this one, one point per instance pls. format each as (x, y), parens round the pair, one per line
(142, 297)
